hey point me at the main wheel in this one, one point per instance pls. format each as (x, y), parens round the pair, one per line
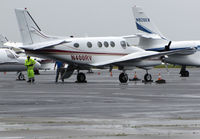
(147, 77)
(185, 74)
(123, 78)
(81, 77)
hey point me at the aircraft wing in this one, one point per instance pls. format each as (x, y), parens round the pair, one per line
(43, 45)
(137, 56)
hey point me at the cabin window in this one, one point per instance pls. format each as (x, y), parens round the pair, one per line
(106, 44)
(10, 55)
(99, 44)
(76, 45)
(123, 44)
(112, 44)
(89, 44)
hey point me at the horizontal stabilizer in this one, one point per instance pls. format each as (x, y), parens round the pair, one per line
(43, 45)
(147, 36)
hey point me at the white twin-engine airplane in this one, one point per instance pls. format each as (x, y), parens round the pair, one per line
(11, 62)
(151, 39)
(85, 53)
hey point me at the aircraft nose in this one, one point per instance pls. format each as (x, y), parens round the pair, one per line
(37, 65)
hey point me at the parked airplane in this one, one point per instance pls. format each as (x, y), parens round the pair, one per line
(151, 39)
(46, 64)
(10, 62)
(84, 53)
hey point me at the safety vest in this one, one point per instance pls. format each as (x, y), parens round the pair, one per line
(30, 64)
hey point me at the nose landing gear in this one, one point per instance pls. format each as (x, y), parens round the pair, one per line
(184, 72)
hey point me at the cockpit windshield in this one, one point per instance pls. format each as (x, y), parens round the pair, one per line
(10, 54)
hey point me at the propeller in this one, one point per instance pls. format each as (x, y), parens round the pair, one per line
(165, 63)
(167, 47)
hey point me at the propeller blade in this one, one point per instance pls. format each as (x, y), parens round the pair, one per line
(167, 47)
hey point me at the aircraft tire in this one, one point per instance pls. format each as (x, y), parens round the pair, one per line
(185, 74)
(81, 77)
(147, 77)
(123, 78)
(21, 76)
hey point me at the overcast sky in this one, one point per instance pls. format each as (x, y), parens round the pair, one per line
(176, 19)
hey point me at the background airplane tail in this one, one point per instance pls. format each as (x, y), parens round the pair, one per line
(152, 37)
(143, 22)
(3, 40)
(29, 30)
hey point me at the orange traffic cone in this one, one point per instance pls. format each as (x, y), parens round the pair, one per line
(134, 78)
(159, 77)
(160, 80)
(111, 74)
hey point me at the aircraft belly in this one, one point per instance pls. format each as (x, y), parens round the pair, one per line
(12, 67)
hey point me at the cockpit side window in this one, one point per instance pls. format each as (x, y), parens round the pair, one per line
(10, 54)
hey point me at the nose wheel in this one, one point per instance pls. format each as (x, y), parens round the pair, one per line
(123, 77)
(20, 76)
(184, 72)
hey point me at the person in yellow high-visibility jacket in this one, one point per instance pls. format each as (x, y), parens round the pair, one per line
(29, 63)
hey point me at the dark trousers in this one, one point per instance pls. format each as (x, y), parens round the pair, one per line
(59, 71)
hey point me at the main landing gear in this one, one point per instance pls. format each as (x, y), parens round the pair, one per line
(81, 78)
(147, 77)
(123, 77)
(184, 72)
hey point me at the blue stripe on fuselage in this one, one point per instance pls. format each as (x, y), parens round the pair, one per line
(163, 49)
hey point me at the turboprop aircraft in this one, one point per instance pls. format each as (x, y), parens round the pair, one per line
(152, 40)
(11, 62)
(84, 53)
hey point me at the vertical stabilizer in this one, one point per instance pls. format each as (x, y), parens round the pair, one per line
(29, 30)
(144, 25)
(143, 22)
(3, 40)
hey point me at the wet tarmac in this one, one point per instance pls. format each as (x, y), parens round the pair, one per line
(102, 108)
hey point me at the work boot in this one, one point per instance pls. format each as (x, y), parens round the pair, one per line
(29, 80)
(33, 80)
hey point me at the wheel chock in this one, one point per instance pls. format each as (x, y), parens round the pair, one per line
(160, 80)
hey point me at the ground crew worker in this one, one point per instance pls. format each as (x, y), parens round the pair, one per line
(29, 63)
(59, 70)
